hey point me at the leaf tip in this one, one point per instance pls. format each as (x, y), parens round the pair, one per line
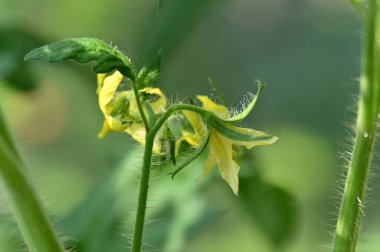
(29, 56)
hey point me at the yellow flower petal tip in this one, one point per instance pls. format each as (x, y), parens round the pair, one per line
(105, 130)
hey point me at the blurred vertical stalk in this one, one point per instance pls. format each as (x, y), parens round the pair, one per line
(352, 207)
(35, 226)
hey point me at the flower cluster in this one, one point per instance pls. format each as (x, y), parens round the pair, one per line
(210, 125)
(118, 104)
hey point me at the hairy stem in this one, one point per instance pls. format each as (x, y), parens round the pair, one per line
(144, 183)
(143, 195)
(351, 211)
(33, 222)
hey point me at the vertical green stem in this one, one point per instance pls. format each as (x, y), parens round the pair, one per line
(351, 211)
(139, 106)
(34, 224)
(144, 185)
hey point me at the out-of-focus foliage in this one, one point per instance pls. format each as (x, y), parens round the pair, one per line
(306, 51)
(174, 22)
(14, 44)
(272, 209)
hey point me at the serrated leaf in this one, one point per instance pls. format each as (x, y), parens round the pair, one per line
(84, 50)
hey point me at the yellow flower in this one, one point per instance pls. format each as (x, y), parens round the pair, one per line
(224, 140)
(107, 86)
(120, 110)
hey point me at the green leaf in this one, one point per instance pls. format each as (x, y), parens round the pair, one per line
(172, 143)
(152, 117)
(84, 50)
(271, 208)
(241, 116)
(236, 135)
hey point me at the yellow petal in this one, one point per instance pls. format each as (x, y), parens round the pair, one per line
(116, 124)
(105, 130)
(210, 162)
(221, 147)
(160, 104)
(137, 132)
(230, 172)
(219, 110)
(250, 144)
(100, 80)
(196, 122)
(189, 138)
(108, 90)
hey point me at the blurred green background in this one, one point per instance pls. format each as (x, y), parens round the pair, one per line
(308, 52)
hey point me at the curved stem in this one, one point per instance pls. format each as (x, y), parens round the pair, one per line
(34, 224)
(175, 108)
(192, 158)
(144, 183)
(351, 210)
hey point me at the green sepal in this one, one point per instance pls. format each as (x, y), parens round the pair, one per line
(191, 101)
(248, 109)
(172, 144)
(152, 117)
(145, 78)
(141, 76)
(151, 73)
(191, 158)
(233, 134)
(84, 50)
(152, 76)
